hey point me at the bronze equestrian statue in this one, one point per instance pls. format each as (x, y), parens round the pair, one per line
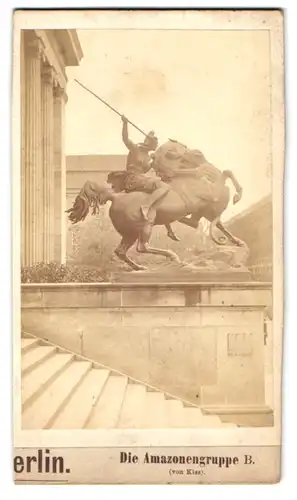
(191, 194)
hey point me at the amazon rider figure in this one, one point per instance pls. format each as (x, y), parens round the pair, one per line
(138, 164)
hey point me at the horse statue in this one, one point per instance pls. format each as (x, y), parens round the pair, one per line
(194, 193)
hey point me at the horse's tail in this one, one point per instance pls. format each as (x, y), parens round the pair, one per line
(227, 174)
(221, 240)
(89, 196)
(228, 236)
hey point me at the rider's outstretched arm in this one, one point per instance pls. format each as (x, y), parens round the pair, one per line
(128, 143)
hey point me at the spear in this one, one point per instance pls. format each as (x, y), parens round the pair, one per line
(108, 105)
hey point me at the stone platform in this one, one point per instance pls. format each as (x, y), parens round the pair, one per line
(202, 342)
(184, 275)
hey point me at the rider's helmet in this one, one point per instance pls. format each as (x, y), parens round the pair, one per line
(150, 141)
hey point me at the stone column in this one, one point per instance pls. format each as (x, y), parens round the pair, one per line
(48, 229)
(23, 140)
(32, 155)
(60, 99)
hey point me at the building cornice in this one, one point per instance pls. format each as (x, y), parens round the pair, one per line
(52, 58)
(70, 46)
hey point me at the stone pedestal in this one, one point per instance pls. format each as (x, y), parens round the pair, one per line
(240, 372)
(183, 275)
(268, 356)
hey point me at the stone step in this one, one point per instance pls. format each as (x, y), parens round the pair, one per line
(174, 413)
(131, 416)
(155, 411)
(42, 376)
(34, 357)
(42, 412)
(193, 417)
(78, 410)
(61, 390)
(106, 413)
(27, 344)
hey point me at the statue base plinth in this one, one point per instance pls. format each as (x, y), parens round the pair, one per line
(226, 264)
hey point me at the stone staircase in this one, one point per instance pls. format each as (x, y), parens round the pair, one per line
(62, 390)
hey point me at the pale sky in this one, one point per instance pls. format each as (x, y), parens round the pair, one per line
(208, 89)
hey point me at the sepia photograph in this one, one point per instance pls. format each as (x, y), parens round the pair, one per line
(148, 159)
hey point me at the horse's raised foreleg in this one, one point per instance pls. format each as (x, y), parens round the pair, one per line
(121, 252)
(192, 221)
(170, 233)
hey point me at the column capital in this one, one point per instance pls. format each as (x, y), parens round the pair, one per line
(60, 93)
(47, 73)
(35, 47)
